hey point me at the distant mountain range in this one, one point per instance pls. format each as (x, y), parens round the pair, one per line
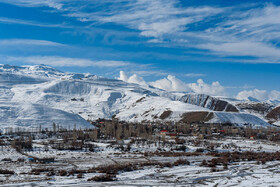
(33, 96)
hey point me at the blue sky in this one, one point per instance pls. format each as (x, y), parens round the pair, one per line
(233, 42)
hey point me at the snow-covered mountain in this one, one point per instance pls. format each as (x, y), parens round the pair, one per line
(40, 95)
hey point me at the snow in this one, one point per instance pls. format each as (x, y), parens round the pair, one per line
(150, 109)
(31, 116)
(31, 96)
(232, 117)
(243, 173)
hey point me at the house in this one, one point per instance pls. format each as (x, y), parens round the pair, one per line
(222, 131)
(31, 159)
(173, 135)
(46, 160)
(163, 132)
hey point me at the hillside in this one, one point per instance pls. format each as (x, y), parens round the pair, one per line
(40, 95)
(274, 115)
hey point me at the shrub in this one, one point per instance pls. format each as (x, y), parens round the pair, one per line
(263, 161)
(181, 162)
(36, 170)
(62, 173)
(166, 164)
(203, 163)
(199, 150)
(5, 171)
(36, 173)
(7, 159)
(103, 178)
(51, 173)
(80, 175)
(181, 148)
(214, 169)
(20, 159)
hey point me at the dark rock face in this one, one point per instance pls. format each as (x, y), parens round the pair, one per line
(197, 117)
(208, 102)
(274, 114)
(261, 108)
(165, 114)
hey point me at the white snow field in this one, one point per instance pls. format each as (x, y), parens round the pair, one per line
(31, 96)
(243, 173)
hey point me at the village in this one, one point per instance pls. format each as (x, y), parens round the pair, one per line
(114, 148)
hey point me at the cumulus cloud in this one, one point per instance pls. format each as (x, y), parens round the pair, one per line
(201, 87)
(171, 83)
(274, 95)
(132, 79)
(123, 76)
(261, 95)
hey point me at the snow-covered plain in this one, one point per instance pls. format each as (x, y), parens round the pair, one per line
(243, 173)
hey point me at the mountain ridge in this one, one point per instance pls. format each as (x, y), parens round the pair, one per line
(90, 97)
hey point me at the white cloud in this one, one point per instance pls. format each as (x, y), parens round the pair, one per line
(215, 89)
(244, 48)
(136, 79)
(261, 95)
(171, 83)
(32, 23)
(132, 79)
(149, 73)
(274, 95)
(36, 3)
(153, 18)
(194, 75)
(258, 22)
(123, 76)
(252, 31)
(10, 42)
(63, 61)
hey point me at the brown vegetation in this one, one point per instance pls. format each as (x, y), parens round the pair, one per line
(165, 114)
(274, 114)
(103, 178)
(5, 171)
(199, 117)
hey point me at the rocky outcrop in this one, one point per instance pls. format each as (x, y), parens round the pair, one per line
(197, 117)
(165, 114)
(261, 108)
(209, 102)
(274, 114)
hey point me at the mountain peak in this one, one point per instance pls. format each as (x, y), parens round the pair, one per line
(252, 99)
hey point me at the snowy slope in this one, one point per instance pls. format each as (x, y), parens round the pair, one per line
(39, 95)
(243, 118)
(27, 113)
(18, 115)
(151, 109)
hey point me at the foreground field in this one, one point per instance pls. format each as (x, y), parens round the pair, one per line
(223, 162)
